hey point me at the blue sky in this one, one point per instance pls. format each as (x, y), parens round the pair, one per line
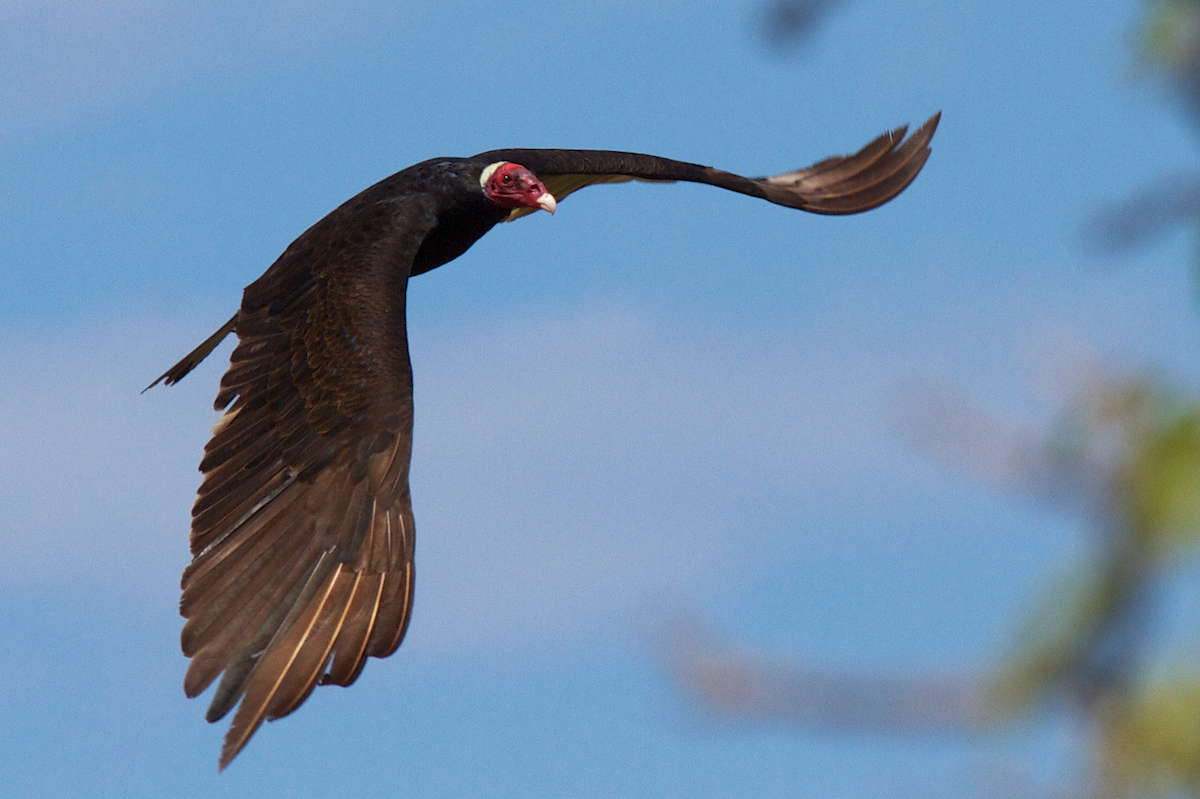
(663, 397)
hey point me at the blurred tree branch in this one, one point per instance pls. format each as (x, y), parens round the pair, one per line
(1168, 49)
(749, 688)
(1149, 214)
(1169, 46)
(787, 24)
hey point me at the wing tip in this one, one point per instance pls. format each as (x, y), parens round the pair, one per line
(924, 134)
(867, 179)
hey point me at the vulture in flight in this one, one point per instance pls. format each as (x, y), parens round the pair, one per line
(302, 530)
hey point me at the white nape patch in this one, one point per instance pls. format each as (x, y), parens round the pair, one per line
(488, 171)
(224, 419)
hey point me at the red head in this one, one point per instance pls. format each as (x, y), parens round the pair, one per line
(510, 185)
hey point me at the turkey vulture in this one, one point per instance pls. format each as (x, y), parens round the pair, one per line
(302, 530)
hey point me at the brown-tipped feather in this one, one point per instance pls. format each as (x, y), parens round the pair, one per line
(859, 182)
(840, 167)
(273, 665)
(350, 651)
(313, 655)
(395, 611)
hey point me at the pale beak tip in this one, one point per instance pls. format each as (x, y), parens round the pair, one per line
(546, 202)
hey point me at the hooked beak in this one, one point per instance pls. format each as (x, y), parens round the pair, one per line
(546, 202)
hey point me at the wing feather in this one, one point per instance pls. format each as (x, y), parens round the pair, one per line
(271, 668)
(295, 575)
(395, 610)
(250, 615)
(214, 573)
(841, 185)
(310, 663)
(350, 649)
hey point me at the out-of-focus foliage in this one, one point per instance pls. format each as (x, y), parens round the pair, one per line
(1148, 733)
(1155, 742)
(1170, 37)
(1088, 647)
(1049, 647)
(1161, 481)
(1168, 49)
(1146, 436)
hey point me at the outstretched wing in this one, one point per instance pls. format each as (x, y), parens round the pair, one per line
(841, 185)
(302, 532)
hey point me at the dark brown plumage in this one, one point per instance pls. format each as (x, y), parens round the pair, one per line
(302, 530)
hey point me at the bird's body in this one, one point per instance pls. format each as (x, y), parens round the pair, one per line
(302, 531)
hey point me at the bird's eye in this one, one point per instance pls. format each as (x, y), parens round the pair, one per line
(507, 180)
